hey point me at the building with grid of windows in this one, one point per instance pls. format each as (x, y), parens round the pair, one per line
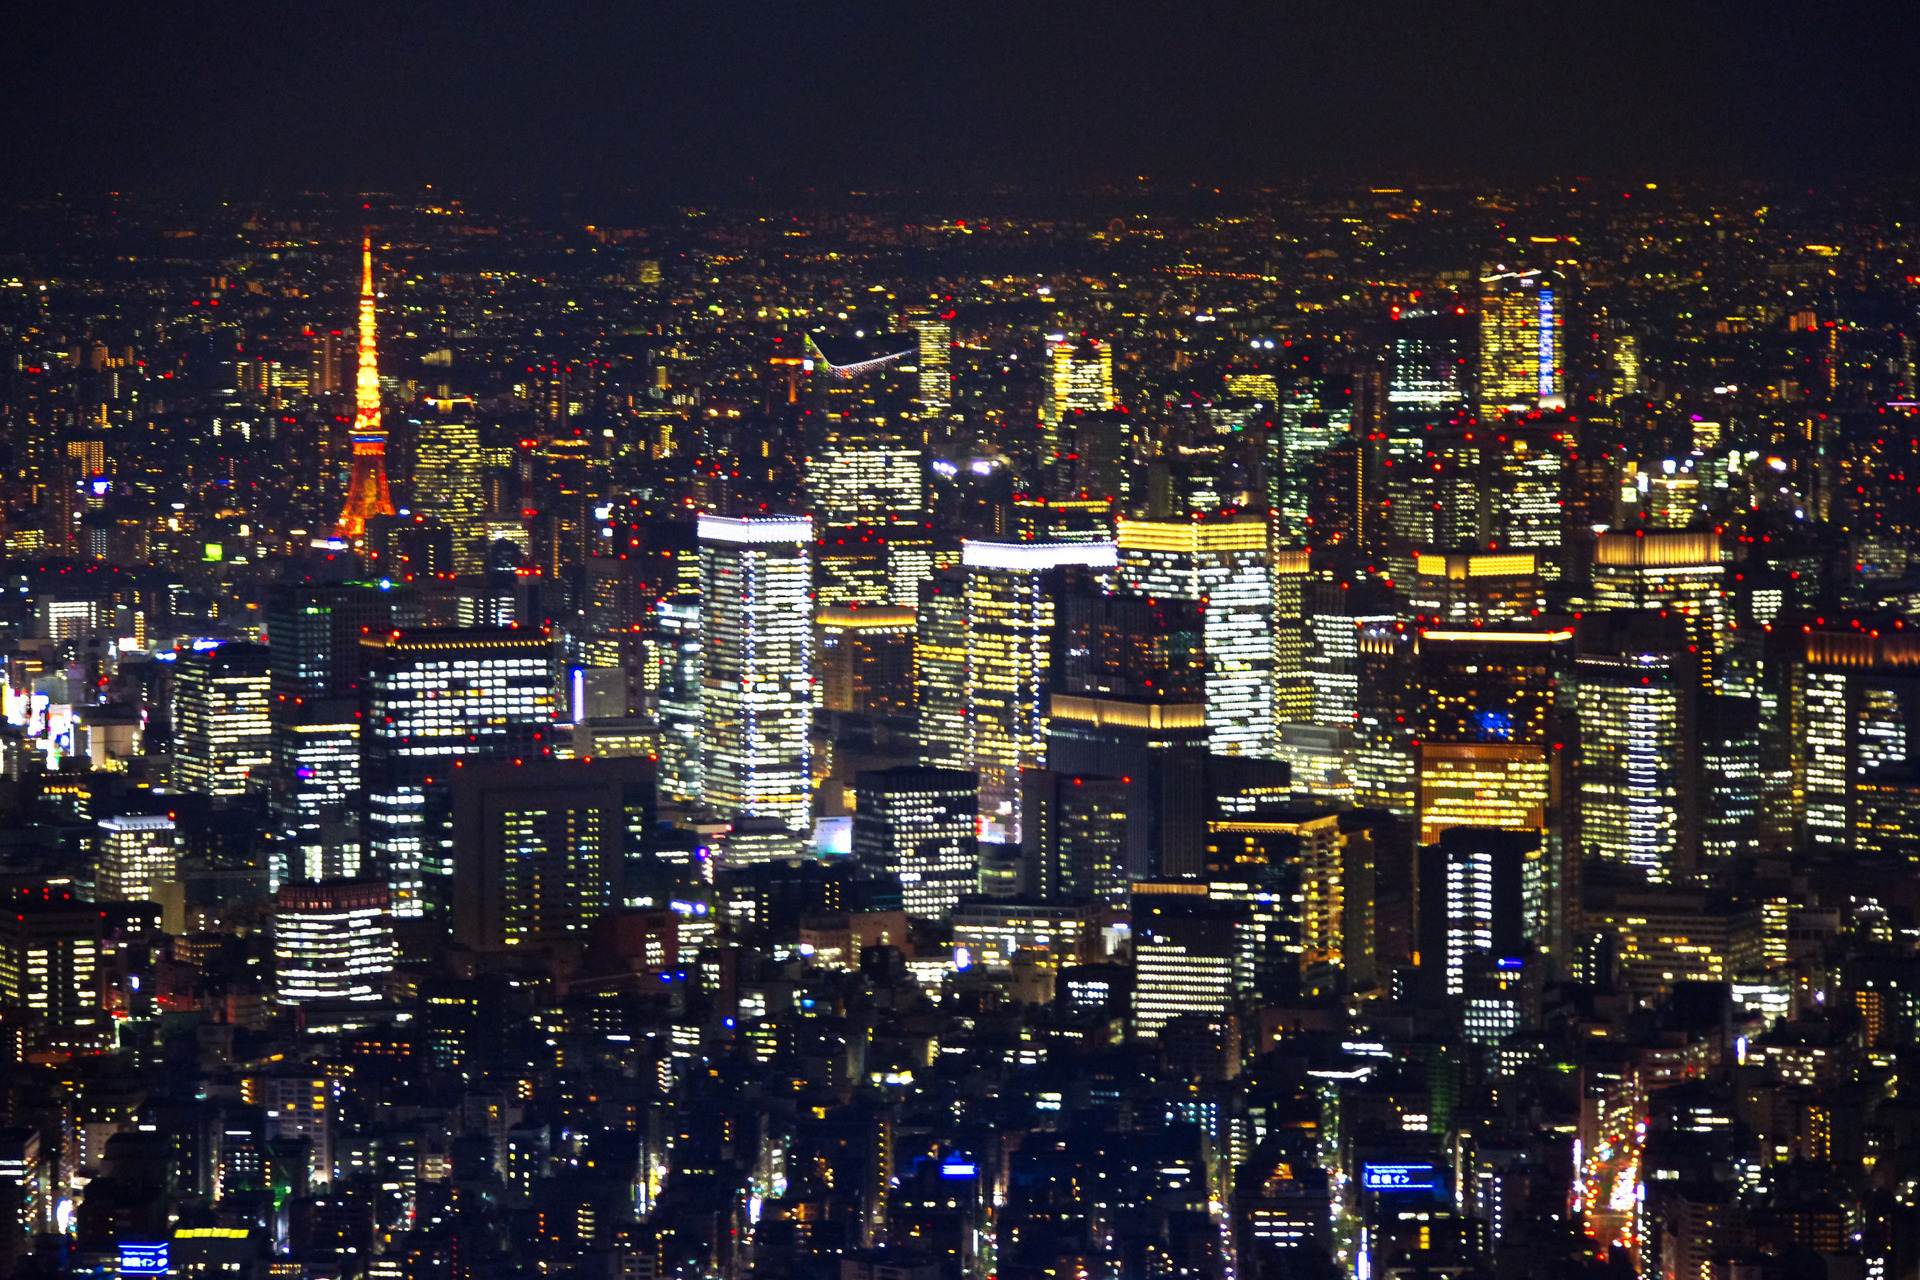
(757, 694)
(221, 734)
(440, 700)
(918, 824)
(1010, 603)
(1220, 561)
(137, 854)
(332, 940)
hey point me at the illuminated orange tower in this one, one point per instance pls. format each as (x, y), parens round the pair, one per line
(367, 494)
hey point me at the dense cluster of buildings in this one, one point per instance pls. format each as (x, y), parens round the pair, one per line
(1366, 734)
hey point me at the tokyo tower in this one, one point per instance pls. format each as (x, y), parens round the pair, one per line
(367, 494)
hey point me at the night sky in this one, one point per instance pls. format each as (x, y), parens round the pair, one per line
(715, 99)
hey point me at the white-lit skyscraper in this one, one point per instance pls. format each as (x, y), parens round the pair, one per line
(756, 579)
(440, 700)
(918, 824)
(1221, 562)
(332, 941)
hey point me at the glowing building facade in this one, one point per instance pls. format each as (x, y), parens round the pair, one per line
(1519, 340)
(222, 737)
(440, 700)
(757, 694)
(332, 941)
(1222, 562)
(137, 854)
(1010, 623)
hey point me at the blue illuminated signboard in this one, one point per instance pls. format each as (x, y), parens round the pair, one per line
(1397, 1177)
(143, 1259)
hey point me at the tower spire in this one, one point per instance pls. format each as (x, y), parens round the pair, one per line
(367, 494)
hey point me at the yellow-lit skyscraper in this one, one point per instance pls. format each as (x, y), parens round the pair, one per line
(1082, 376)
(756, 582)
(1221, 562)
(1010, 623)
(1519, 340)
(934, 328)
(447, 486)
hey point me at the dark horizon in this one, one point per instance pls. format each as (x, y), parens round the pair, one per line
(689, 105)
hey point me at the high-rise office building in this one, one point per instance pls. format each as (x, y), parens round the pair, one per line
(137, 854)
(919, 825)
(866, 659)
(1520, 358)
(757, 654)
(866, 466)
(1479, 895)
(1189, 957)
(933, 326)
(1676, 571)
(440, 700)
(1467, 589)
(50, 954)
(1851, 702)
(1509, 786)
(316, 799)
(940, 667)
(332, 941)
(540, 848)
(1634, 697)
(318, 670)
(447, 475)
(1220, 562)
(1074, 839)
(1292, 683)
(221, 733)
(675, 683)
(1081, 376)
(1528, 474)
(1429, 374)
(1010, 621)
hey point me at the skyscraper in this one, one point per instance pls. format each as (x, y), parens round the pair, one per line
(1473, 897)
(1222, 563)
(1677, 571)
(940, 667)
(1074, 837)
(137, 853)
(367, 494)
(332, 940)
(1010, 622)
(918, 824)
(50, 965)
(1519, 340)
(221, 733)
(757, 688)
(540, 847)
(1634, 696)
(1189, 958)
(1082, 376)
(447, 477)
(440, 700)
(675, 682)
(934, 328)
